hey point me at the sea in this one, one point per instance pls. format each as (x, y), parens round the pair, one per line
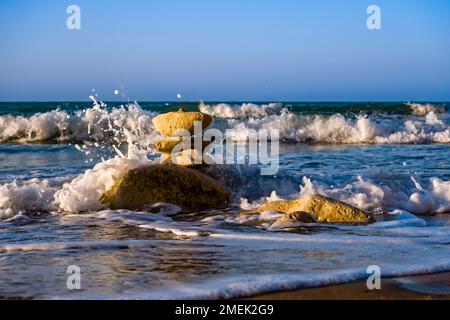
(58, 241)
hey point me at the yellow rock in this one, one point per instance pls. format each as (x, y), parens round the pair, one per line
(168, 123)
(187, 188)
(322, 208)
(281, 206)
(167, 145)
(330, 210)
(191, 158)
(187, 158)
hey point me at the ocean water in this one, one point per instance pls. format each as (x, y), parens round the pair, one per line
(390, 159)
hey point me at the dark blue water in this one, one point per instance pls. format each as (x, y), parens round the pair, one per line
(30, 108)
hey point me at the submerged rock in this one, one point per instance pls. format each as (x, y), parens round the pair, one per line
(187, 188)
(292, 217)
(168, 123)
(323, 209)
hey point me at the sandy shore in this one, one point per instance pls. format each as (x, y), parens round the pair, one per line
(423, 287)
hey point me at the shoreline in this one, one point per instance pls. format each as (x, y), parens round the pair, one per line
(434, 286)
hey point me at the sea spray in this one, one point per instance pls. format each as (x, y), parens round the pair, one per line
(337, 129)
(97, 123)
(409, 123)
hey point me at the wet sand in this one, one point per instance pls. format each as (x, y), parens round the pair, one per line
(423, 287)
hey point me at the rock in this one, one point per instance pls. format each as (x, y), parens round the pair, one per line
(187, 188)
(322, 208)
(330, 210)
(187, 158)
(281, 206)
(192, 158)
(161, 208)
(293, 217)
(168, 123)
(167, 145)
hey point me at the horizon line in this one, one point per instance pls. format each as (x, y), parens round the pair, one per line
(224, 101)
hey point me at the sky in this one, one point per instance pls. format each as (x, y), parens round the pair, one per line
(230, 50)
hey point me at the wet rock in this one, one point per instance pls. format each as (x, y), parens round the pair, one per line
(167, 145)
(329, 210)
(323, 209)
(187, 188)
(282, 206)
(191, 158)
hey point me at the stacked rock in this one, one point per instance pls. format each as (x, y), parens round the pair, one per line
(170, 181)
(175, 126)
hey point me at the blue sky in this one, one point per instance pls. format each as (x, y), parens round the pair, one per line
(256, 50)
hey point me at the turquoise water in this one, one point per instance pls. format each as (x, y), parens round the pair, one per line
(391, 159)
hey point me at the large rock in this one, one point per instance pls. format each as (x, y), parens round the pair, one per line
(322, 208)
(168, 123)
(188, 188)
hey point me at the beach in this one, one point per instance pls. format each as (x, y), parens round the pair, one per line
(357, 186)
(424, 287)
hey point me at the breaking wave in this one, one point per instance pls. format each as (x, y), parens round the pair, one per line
(91, 124)
(422, 109)
(78, 194)
(338, 129)
(245, 110)
(424, 123)
(367, 195)
(82, 193)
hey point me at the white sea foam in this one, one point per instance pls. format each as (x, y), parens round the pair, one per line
(55, 246)
(79, 194)
(92, 124)
(338, 129)
(83, 192)
(245, 110)
(367, 195)
(333, 263)
(158, 222)
(100, 124)
(30, 196)
(422, 109)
